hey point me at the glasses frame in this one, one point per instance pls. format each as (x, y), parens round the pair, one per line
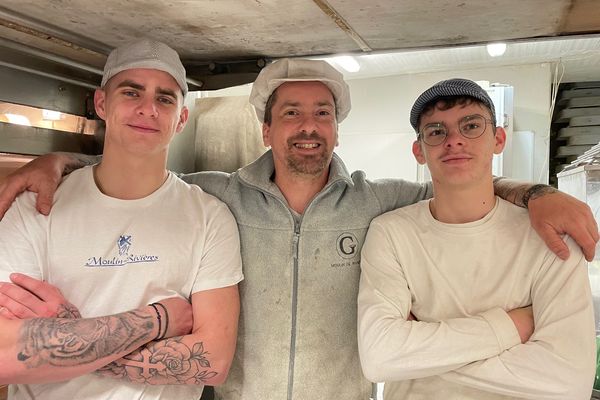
(421, 137)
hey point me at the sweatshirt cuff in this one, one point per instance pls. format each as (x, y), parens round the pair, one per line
(503, 327)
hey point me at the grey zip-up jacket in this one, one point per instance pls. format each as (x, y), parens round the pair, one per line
(297, 333)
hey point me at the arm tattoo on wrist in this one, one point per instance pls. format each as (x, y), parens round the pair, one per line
(537, 191)
(71, 342)
(67, 311)
(165, 362)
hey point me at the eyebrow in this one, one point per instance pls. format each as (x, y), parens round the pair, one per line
(137, 86)
(466, 117)
(296, 104)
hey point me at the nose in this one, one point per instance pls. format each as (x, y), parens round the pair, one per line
(454, 138)
(308, 124)
(147, 107)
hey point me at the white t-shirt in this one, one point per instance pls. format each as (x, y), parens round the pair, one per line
(109, 256)
(459, 281)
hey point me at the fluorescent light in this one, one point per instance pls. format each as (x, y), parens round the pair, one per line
(496, 49)
(50, 115)
(18, 119)
(348, 63)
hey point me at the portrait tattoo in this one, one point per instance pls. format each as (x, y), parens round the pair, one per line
(71, 342)
(161, 363)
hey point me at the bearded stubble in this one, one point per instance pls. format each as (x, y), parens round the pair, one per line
(308, 165)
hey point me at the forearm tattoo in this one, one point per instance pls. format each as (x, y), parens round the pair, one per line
(68, 311)
(537, 191)
(80, 160)
(166, 362)
(518, 193)
(72, 342)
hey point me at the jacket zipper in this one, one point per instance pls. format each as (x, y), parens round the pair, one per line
(296, 240)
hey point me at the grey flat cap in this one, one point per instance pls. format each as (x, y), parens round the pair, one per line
(298, 70)
(145, 53)
(450, 88)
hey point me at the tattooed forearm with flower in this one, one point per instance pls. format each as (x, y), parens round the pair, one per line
(166, 362)
(202, 357)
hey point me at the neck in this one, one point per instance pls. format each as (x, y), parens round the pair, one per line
(129, 178)
(299, 189)
(459, 205)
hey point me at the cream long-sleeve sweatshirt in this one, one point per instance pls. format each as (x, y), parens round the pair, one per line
(459, 280)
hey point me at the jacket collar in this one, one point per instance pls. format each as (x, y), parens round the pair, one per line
(259, 173)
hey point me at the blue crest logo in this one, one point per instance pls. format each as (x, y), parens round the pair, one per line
(123, 244)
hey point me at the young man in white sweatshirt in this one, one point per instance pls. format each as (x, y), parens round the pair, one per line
(459, 298)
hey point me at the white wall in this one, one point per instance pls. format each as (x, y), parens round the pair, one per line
(377, 135)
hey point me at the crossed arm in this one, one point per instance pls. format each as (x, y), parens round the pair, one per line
(200, 357)
(489, 351)
(42, 350)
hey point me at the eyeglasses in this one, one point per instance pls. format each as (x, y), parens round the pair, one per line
(471, 127)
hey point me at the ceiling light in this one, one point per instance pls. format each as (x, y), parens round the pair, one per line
(496, 49)
(18, 119)
(348, 63)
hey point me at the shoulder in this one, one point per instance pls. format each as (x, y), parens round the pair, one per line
(213, 182)
(194, 200)
(513, 215)
(404, 217)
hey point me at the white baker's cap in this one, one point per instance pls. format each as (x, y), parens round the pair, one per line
(145, 53)
(298, 70)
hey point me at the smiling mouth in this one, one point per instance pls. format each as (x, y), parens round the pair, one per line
(306, 145)
(143, 128)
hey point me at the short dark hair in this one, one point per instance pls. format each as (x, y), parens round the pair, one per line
(269, 106)
(447, 102)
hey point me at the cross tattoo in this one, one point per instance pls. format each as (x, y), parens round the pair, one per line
(145, 365)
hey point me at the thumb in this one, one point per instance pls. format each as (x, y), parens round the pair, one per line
(45, 197)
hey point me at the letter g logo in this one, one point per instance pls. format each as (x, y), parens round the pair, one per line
(347, 245)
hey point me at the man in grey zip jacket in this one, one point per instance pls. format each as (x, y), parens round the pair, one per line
(303, 219)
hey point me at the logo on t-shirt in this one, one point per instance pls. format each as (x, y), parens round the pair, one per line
(123, 258)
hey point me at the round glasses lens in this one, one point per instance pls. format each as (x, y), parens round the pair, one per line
(434, 134)
(472, 126)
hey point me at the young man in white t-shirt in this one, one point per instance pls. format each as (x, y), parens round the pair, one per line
(129, 251)
(459, 298)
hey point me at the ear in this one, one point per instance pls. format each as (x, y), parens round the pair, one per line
(183, 117)
(500, 140)
(337, 136)
(266, 134)
(100, 103)
(418, 152)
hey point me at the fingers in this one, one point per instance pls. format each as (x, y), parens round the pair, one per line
(45, 196)
(43, 290)
(7, 314)
(11, 307)
(554, 241)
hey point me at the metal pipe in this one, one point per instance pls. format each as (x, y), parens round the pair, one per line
(48, 56)
(49, 75)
